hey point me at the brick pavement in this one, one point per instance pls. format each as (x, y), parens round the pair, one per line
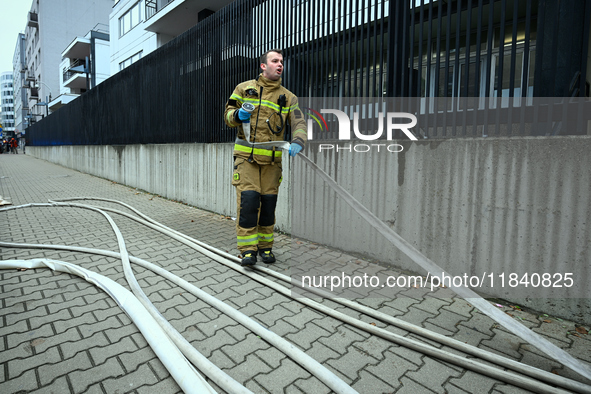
(60, 334)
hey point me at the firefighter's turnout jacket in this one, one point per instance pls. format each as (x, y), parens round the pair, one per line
(257, 170)
(267, 112)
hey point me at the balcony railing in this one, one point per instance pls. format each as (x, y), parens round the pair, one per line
(69, 73)
(33, 20)
(154, 6)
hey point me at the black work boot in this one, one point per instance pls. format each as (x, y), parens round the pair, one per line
(249, 258)
(267, 255)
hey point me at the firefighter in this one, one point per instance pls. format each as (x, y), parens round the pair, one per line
(257, 169)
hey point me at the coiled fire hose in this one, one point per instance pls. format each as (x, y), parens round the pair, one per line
(469, 364)
(226, 382)
(474, 299)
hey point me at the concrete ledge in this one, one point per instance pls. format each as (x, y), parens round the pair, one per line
(474, 206)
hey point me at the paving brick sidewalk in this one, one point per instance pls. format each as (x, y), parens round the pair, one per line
(60, 334)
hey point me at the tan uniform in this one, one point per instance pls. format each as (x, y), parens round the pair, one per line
(257, 170)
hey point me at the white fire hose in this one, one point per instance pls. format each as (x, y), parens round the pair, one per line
(469, 364)
(515, 327)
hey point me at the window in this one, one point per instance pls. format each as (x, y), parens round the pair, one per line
(130, 60)
(130, 19)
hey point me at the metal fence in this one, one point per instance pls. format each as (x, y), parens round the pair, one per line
(436, 54)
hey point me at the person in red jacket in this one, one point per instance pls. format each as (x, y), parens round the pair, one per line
(13, 146)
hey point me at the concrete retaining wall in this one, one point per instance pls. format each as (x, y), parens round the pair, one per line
(471, 205)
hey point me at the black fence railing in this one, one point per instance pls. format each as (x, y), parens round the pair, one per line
(437, 54)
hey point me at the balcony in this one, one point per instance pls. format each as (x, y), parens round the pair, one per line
(33, 20)
(73, 78)
(173, 17)
(79, 48)
(34, 94)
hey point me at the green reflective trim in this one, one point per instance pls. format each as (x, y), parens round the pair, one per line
(264, 103)
(266, 237)
(247, 240)
(236, 97)
(245, 237)
(241, 243)
(257, 151)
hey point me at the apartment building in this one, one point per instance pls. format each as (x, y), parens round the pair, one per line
(51, 26)
(20, 93)
(7, 100)
(85, 64)
(139, 27)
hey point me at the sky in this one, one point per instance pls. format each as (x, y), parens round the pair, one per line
(13, 17)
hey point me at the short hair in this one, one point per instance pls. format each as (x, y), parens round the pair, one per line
(264, 55)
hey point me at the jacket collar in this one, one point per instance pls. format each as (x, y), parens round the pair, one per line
(267, 83)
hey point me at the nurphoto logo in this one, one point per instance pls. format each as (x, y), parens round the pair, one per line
(386, 122)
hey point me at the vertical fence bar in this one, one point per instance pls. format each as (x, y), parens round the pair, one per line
(355, 43)
(456, 76)
(525, 74)
(448, 99)
(477, 75)
(513, 50)
(420, 67)
(309, 45)
(429, 50)
(437, 100)
(372, 42)
(384, 55)
(369, 68)
(467, 67)
(412, 91)
(428, 94)
(322, 39)
(489, 47)
(406, 58)
(499, 70)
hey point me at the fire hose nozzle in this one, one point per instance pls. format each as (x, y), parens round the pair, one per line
(248, 107)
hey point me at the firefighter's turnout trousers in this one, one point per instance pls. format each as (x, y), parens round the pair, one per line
(257, 185)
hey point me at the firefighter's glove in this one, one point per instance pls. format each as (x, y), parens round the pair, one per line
(294, 149)
(244, 116)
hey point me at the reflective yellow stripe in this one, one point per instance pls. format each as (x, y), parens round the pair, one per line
(264, 103)
(257, 151)
(236, 97)
(240, 243)
(244, 237)
(248, 240)
(266, 237)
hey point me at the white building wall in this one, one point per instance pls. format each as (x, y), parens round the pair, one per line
(102, 68)
(135, 41)
(64, 65)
